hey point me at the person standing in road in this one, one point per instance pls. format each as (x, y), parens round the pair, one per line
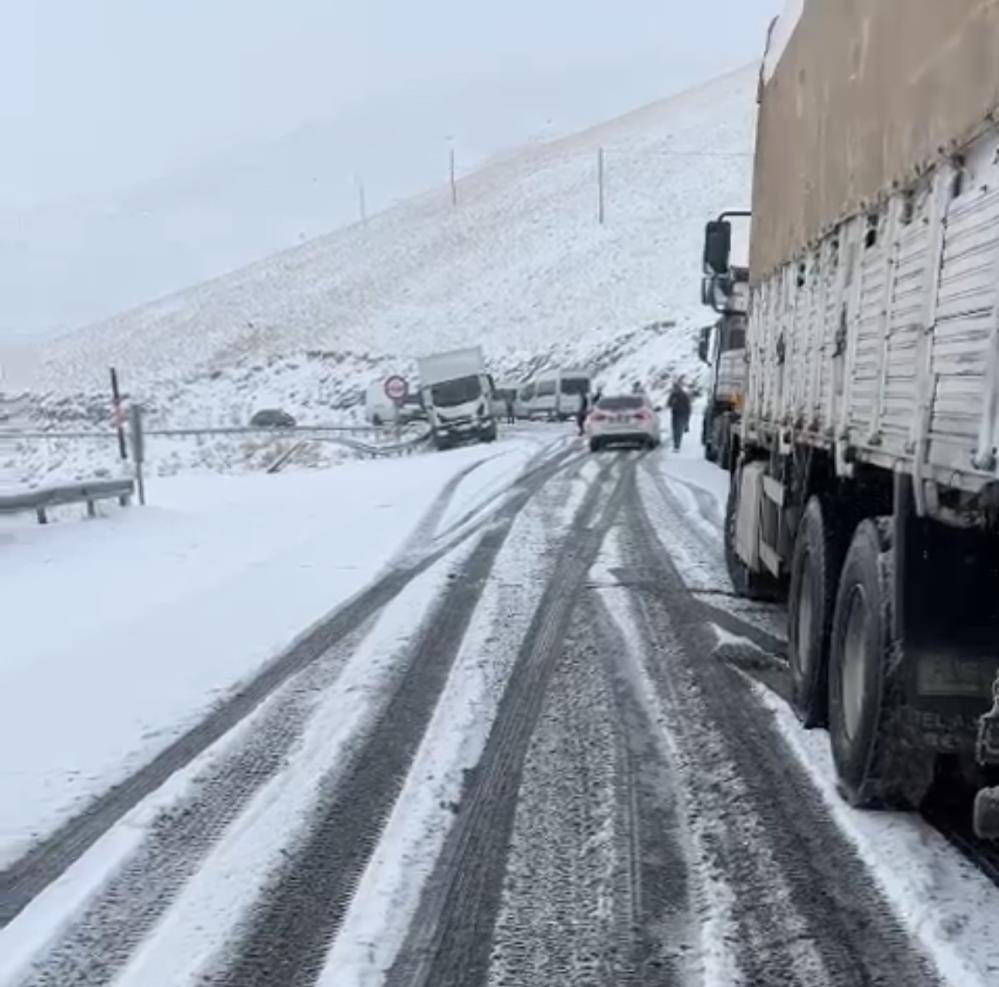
(510, 417)
(581, 412)
(679, 407)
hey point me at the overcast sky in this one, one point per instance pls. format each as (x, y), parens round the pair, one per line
(103, 93)
(100, 99)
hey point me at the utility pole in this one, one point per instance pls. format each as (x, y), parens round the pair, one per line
(360, 200)
(454, 187)
(600, 185)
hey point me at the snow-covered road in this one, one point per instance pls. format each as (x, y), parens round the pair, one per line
(534, 741)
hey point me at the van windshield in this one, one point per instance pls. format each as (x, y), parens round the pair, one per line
(575, 385)
(459, 391)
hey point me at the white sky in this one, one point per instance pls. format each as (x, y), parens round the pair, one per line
(101, 97)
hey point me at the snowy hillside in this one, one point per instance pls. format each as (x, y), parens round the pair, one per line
(521, 266)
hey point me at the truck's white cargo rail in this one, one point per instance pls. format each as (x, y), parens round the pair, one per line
(884, 339)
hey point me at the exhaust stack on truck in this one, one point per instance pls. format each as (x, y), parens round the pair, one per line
(457, 395)
(864, 472)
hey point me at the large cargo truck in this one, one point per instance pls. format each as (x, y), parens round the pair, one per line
(457, 395)
(865, 478)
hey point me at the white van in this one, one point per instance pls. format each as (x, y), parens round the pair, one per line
(572, 384)
(525, 400)
(557, 394)
(545, 403)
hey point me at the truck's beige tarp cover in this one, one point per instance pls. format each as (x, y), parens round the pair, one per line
(866, 94)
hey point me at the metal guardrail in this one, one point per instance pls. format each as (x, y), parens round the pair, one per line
(388, 440)
(402, 447)
(88, 493)
(274, 430)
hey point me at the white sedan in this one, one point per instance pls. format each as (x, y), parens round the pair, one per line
(625, 420)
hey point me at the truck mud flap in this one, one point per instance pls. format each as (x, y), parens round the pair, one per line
(988, 732)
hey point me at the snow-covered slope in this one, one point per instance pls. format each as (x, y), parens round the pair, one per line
(521, 266)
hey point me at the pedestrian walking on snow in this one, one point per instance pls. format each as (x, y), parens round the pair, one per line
(679, 407)
(581, 413)
(510, 417)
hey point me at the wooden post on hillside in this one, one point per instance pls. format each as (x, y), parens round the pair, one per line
(118, 415)
(360, 201)
(600, 185)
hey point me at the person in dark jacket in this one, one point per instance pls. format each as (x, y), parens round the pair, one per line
(511, 418)
(679, 407)
(584, 407)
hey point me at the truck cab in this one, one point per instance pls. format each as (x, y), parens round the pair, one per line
(722, 345)
(457, 394)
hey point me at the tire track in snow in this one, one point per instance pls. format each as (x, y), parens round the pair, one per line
(285, 940)
(805, 906)
(26, 877)
(596, 884)
(449, 941)
(388, 894)
(697, 553)
(100, 941)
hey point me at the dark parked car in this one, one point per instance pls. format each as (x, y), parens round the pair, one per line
(272, 418)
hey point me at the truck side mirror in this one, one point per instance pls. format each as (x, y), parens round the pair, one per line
(704, 344)
(717, 246)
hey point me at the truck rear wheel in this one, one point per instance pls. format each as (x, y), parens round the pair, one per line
(875, 765)
(745, 582)
(815, 567)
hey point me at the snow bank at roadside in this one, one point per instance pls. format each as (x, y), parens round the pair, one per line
(119, 634)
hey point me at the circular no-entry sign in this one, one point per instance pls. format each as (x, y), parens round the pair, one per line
(396, 388)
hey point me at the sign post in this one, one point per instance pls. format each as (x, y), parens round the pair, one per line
(138, 450)
(118, 415)
(397, 390)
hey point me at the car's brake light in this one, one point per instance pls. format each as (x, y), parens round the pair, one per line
(598, 416)
(642, 416)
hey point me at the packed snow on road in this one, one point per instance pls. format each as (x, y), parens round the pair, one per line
(443, 602)
(486, 716)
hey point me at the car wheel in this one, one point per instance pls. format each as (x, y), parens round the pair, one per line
(595, 445)
(875, 763)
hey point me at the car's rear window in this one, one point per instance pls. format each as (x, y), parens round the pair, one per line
(620, 404)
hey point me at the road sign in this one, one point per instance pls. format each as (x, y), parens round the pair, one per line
(396, 389)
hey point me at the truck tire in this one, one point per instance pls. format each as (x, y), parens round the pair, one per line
(816, 562)
(724, 449)
(878, 767)
(707, 437)
(745, 582)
